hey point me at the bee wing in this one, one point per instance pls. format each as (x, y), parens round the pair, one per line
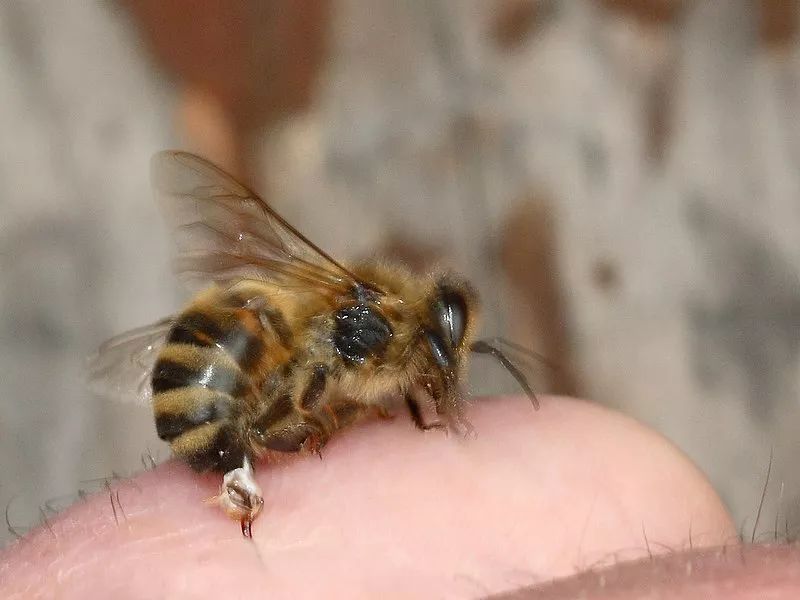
(224, 231)
(121, 367)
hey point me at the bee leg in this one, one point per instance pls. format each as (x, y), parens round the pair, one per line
(334, 417)
(383, 413)
(315, 387)
(241, 497)
(416, 416)
(315, 443)
(291, 437)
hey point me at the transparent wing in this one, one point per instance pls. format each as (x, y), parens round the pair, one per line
(121, 367)
(225, 232)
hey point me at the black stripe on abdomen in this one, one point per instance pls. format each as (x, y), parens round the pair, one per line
(223, 454)
(169, 374)
(194, 328)
(179, 411)
(211, 446)
(221, 329)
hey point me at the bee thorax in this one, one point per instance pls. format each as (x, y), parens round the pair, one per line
(360, 332)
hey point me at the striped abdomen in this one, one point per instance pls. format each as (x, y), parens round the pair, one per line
(207, 376)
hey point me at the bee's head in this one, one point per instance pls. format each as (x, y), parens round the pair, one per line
(449, 337)
(452, 314)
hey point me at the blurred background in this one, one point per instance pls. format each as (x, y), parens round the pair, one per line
(618, 177)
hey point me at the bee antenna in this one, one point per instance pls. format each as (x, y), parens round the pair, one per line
(530, 353)
(484, 347)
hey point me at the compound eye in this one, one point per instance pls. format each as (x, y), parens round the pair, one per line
(451, 312)
(440, 354)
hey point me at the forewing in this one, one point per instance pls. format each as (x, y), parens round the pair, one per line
(225, 232)
(121, 367)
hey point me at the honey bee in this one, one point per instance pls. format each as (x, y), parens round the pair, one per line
(286, 346)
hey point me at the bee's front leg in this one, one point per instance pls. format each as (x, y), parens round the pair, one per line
(416, 415)
(240, 496)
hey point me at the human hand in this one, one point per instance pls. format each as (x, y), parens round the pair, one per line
(392, 512)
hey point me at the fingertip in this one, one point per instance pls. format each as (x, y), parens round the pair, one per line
(391, 509)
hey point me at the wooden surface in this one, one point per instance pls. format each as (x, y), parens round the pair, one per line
(620, 179)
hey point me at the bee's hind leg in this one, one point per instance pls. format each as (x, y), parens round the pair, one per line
(240, 496)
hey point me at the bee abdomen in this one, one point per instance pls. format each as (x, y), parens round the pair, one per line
(207, 375)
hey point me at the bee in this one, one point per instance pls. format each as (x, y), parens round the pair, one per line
(286, 345)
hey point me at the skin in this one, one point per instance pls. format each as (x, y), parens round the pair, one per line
(393, 512)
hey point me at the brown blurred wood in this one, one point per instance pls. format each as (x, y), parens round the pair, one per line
(654, 12)
(515, 20)
(529, 257)
(260, 59)
(244, 64)
(778, 24)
